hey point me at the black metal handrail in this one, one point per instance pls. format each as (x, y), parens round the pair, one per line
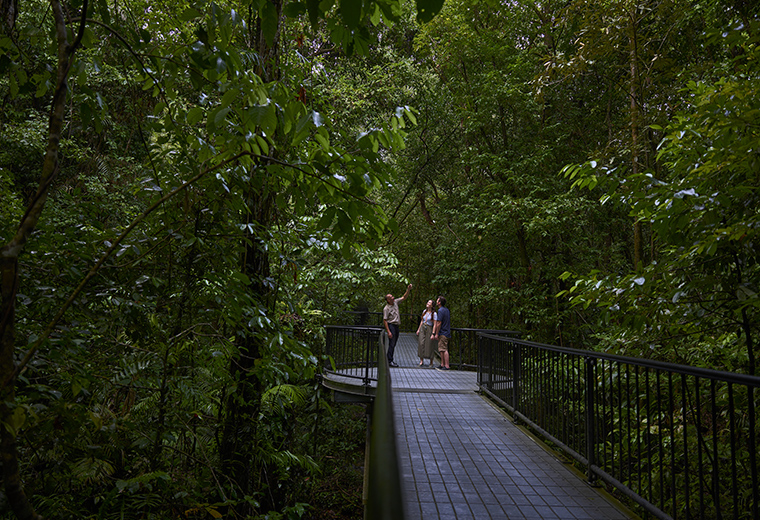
(679, 441)
(463, 348)
(409, 321)
(359, 353)
(351, 352)
(384, 499)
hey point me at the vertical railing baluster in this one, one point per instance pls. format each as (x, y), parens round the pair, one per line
(602, 415)
(700, 462)
(716, 460)
(650, 440)
(684, 412)
(638, 429)
(732, 439)
(753, 452)
(621, 431)
(660, 447)
(516, 378)
(367, 379)
(629, 447)
(590, 437)
(672, 409)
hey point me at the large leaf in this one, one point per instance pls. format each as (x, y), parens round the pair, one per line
(351, 11)
(427, 9)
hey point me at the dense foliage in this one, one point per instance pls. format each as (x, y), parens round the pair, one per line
(182, 178)
(191, 190)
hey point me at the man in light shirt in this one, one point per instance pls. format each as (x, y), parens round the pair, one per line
(392, 322)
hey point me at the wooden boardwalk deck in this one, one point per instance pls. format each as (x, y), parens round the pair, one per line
(462, 458)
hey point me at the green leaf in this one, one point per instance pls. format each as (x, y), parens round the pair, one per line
(229, 97)
(190, 14)
(85, 112)
(160, 106)
(269, 21)
(104, 12)
(427, 9)
(194, 115)
(14, 86)
(351, 11)
(344, 223)
(314, 11)
(375, 17)
(322, 139)
(327, 218)
(220, 115)
(242, 278)
(294, 9)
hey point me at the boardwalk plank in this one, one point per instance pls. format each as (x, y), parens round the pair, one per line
(461, 458)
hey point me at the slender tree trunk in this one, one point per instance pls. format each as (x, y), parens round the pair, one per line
(241, 407)
(638, 240)
(9, 256)
(8, 14)
(523, 248)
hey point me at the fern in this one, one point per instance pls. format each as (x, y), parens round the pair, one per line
(285, 459)
(91, 470)
(280, 398)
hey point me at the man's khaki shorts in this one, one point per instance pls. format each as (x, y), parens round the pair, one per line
(443, 344)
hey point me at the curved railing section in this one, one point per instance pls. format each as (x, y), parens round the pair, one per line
(679, 441)
(352, 354)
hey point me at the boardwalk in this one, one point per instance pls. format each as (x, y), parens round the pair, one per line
(461, 458)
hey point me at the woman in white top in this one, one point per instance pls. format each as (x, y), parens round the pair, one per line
(424, 343)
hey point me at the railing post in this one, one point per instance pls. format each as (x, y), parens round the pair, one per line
(590, 430)
(369, 411)
(481, 362)
(516, 374)
(489, 365)
(367, 349)
(753, 452)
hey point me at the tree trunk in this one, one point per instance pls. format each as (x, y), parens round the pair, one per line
(523, 248)
(241, 407)
(8, 14)
(638, 240)
(9, 256)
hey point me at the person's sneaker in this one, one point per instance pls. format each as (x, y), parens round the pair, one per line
(442, 368)
(393, 364)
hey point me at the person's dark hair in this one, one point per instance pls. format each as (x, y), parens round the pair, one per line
(442, 300)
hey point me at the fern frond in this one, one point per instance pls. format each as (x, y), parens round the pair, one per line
(90, 470)
(283, 397)
(286, 459)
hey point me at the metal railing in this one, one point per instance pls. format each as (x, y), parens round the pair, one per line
(409, 321)
(463, 347)
(681, 442)
(384, 499)
(359, 353)
(352, 352)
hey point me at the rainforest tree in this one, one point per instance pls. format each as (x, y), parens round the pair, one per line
(220, 141)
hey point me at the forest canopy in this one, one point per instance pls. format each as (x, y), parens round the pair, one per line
(192, 190)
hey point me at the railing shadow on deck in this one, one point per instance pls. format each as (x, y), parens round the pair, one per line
(679, 441)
